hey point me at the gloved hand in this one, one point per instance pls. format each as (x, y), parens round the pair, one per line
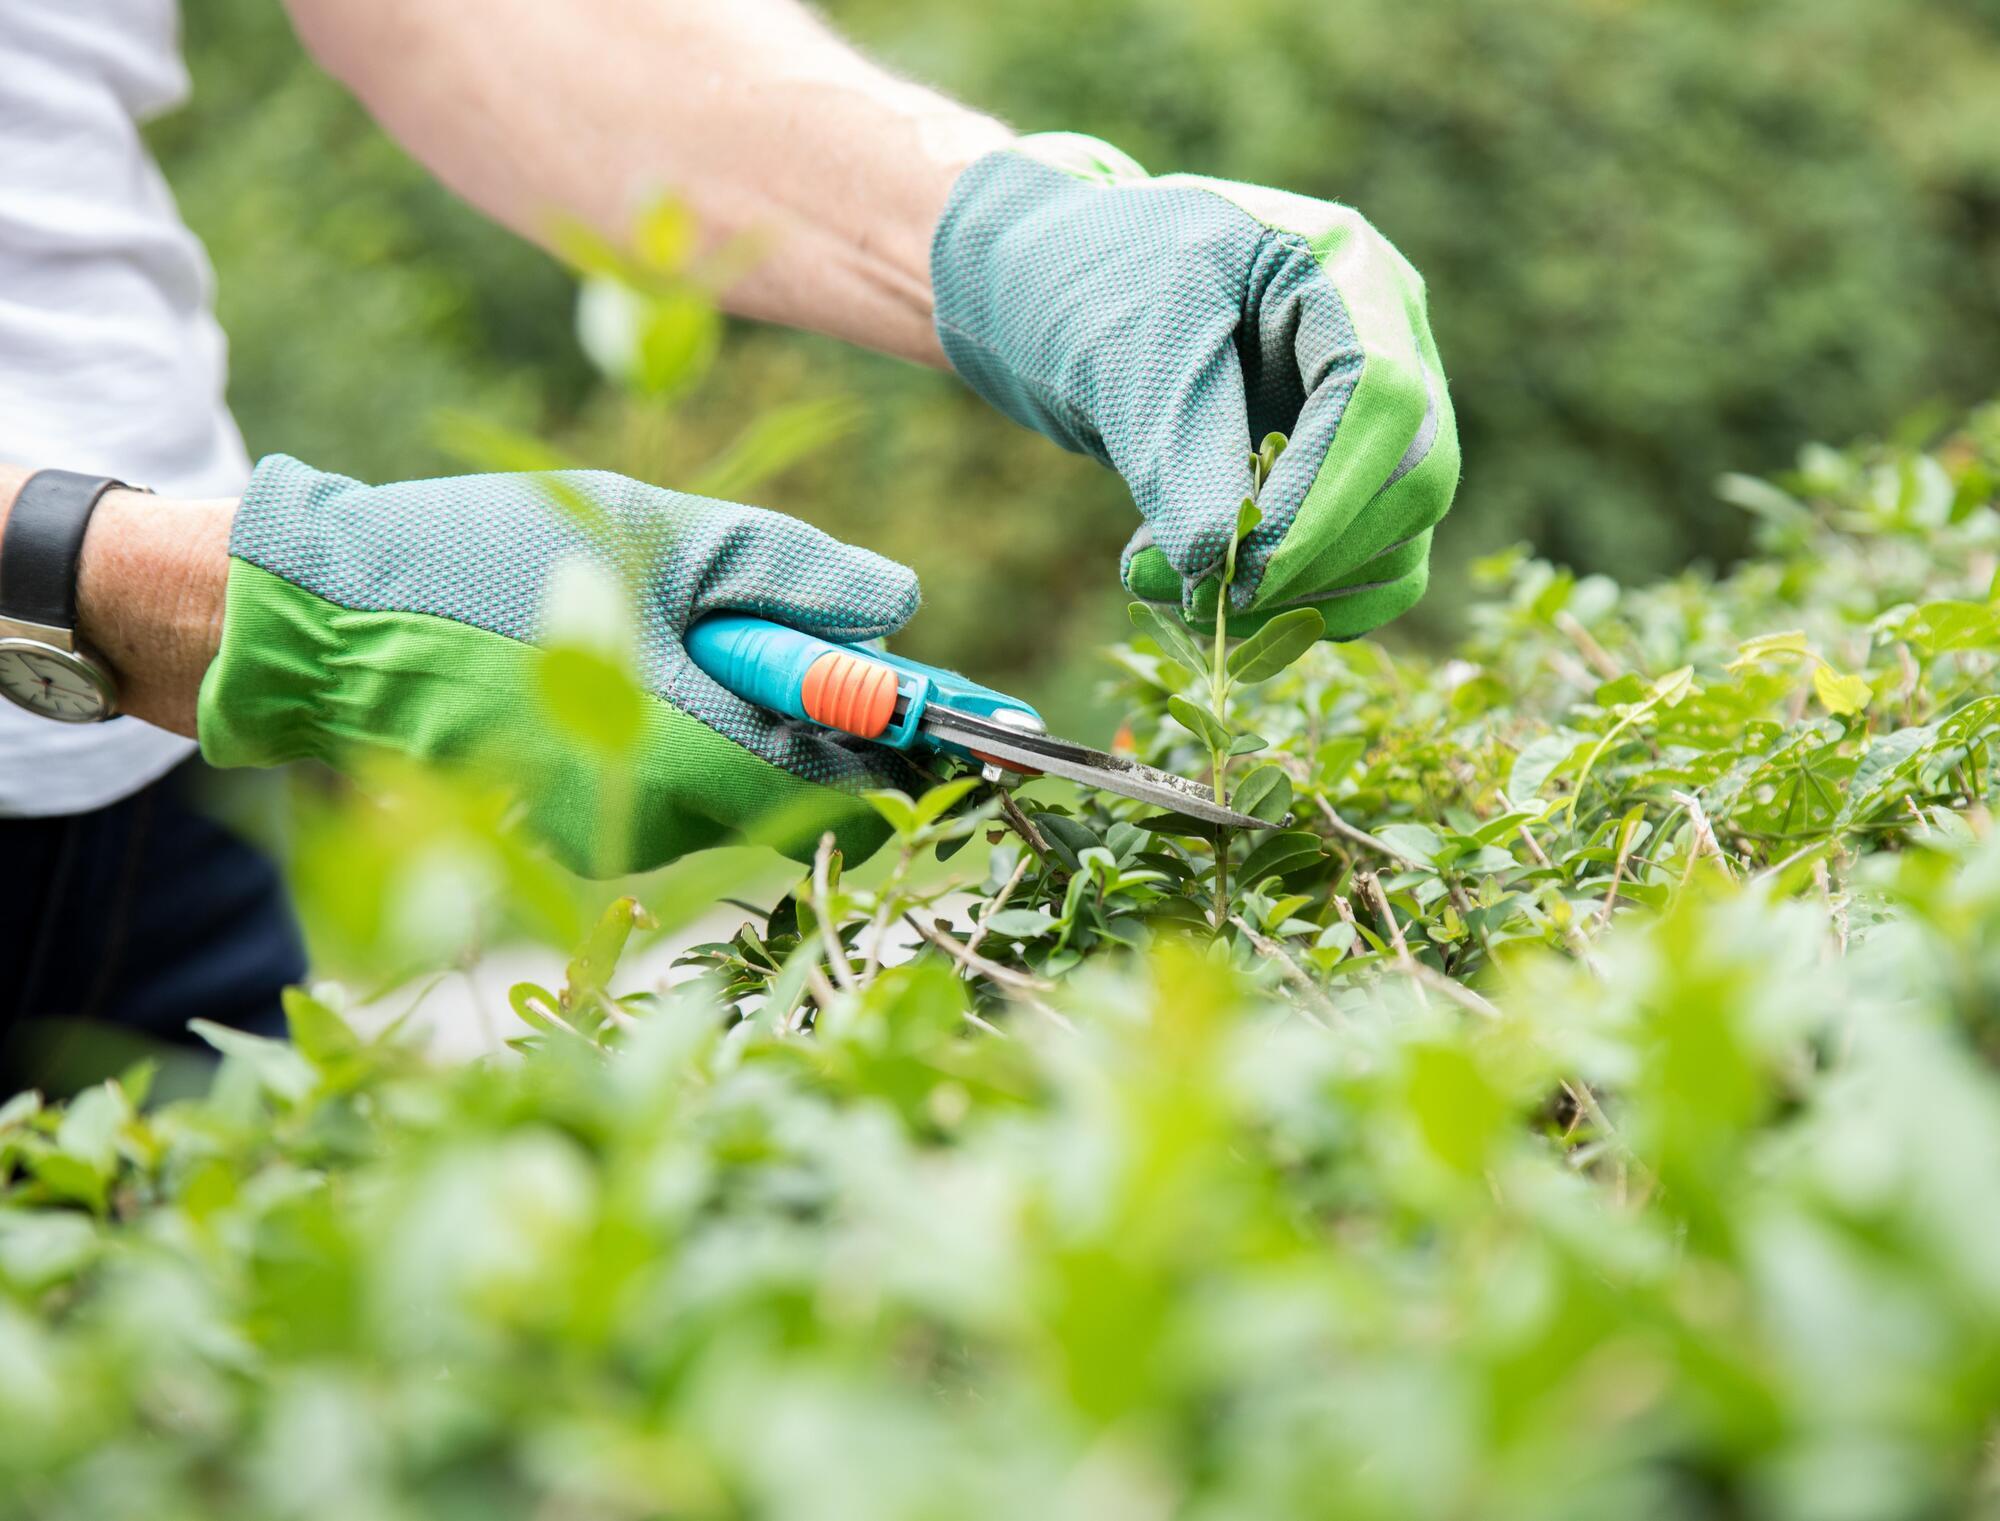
(402, 618)
(1165, 325)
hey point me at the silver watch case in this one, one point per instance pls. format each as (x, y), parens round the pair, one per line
(49, 643)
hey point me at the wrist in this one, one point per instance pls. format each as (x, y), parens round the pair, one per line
(150, 595)
(12, 479)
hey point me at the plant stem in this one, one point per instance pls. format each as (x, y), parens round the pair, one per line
(1317, 1007)
(886, 905)
(999, 902)
(1020, 984)
(836, 953)
(1025, 828)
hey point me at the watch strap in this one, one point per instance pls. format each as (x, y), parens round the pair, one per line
(43, 544)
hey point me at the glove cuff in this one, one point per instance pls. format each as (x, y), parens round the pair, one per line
(1088, 158)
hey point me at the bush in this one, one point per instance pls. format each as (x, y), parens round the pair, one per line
(1584, 1106)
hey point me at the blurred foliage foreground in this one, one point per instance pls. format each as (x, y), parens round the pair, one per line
(1587, 1106)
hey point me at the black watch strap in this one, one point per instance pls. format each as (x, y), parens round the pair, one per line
(44, 542)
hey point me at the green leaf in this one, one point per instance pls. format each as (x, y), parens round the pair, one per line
(590, 971)
(1276, 645)
(941, 799)
(70, 1177)
(1280, 854)
(1839, 694)
(592, 697)
(1539, 760)
(771, 444)
(788, 987)
(1177, 824)
(1673, 688)
(41, 1248)
(1267, 454)
(680, 333)
(1266, 793)
(1067, 837)
(1200, 722)
(1168, 632)
(663, 237)
(1336, 758)
(278, 1069)
(1020, 923)
(90, 1126)
(1248, 516)
(316, 1029)
(1938, 628)
(1412, 842)
(1764, 646)
(896, 807)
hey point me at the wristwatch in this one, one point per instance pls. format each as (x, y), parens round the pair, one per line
(43, 667)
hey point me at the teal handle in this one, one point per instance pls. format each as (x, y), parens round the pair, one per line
(770, 664)
(760, 661)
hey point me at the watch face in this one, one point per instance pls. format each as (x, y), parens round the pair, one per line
(56, 685)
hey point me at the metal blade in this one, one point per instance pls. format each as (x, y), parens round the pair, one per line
(1080, 763)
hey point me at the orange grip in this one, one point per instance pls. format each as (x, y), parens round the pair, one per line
(850, 693)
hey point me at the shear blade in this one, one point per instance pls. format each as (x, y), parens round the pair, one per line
(1080, 763)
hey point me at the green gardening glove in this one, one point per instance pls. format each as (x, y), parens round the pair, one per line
(403, 619)
(1165, 326)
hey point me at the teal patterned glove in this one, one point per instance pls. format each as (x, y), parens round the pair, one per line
(1166, 325)
(405, 619)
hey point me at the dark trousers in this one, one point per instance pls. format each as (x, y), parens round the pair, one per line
(142, 915)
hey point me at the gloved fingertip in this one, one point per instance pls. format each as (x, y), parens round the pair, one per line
(1148, 574)
(887, 592)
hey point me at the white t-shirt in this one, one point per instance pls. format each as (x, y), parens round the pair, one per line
(110, 358)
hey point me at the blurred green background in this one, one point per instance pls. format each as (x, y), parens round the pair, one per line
(1662, 240)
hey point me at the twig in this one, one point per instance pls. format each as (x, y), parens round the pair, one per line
(1453, 989)
(878, 922)
(1025, 828)
(1586, 1101)
(1423, 976)
(999, 902)
(1292, 972)
(1772, 871)
(822, 994)
(1570, 670)
(1346, 911)
(1626, 837)
(1017, 982)
(1405, 962)
(822, 894)
(1705, 843)
(1572, 931)
(1599, 658)
(1534, 849)
(957, 949)
(1372, 885)
(1456, 893)
(1348, 832)
(1836, 909)
(984, 1024)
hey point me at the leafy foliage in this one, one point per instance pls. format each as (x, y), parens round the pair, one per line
(1585, 1105)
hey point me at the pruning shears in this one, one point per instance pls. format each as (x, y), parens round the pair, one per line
(907, 705)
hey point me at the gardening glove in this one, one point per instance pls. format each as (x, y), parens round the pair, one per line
(1165, 326)
(404, 619)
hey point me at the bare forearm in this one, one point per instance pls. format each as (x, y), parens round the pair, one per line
(150, 595)
(749, 111)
